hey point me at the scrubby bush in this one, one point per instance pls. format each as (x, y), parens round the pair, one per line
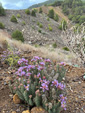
(63, 25)
(54, 45)
(27, 11)
(10, 57)
(33, 13)
(18, 35)
(18, 16)
(40, 10)
(40, 25)
(56, 18)
(40, 84)
(2, 26)
(39, 30)
(23, 23)
(13, 19)
(66, 48)
(49, 27)
(2, 11)
(48, 19)
(51, 13)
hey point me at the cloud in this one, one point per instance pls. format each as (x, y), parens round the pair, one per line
(19, 4)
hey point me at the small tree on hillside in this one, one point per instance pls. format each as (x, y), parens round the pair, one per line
(51, 13)
(63, 25)
(40, 10)
(2, 11)
(56, 18)
(33, 13)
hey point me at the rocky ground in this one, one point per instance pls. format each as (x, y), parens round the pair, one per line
(30, 30)
(75, 90)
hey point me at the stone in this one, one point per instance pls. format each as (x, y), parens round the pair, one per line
(38, 110)
(27, 111)
(13, 111)
(8, 79)
(16, 99)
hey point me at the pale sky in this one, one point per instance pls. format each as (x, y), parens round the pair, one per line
(19, 4)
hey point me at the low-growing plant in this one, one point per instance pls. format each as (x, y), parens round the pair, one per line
(13, 19)
(40, 25)
(56, 18)
(40, 84)
(50, 28)
(18, 16)
(40, 10)
(27, 11)
(18, 35)
(23, 23)
(11, 57)
(66, 49)
(2, 25)
(33, 13)
(39, 30)
(54, 45)
(48, 19)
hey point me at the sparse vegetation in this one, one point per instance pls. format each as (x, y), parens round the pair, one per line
(40, 25)
(40, 10)
(66, 49)
(23, 23)
(54, 45)
(48, 19)
(2, 11)
(39, 30)
(27, 11)
(18, 35)
(49, 27)
(33, 13)
(56, 18)
(18, 16)
(63, 25)
(51, 13)
(2, 25)
(13, 19)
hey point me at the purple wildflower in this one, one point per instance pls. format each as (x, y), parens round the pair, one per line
(22, 73)
(44, 87)
(27, 87)
(55, 83)
(42, 63)
(28, 74)
(61, 86)
(48, 60)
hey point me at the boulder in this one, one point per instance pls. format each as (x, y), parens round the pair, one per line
(16, 99)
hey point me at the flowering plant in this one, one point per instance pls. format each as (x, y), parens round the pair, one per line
(10, 57)
(40, 84)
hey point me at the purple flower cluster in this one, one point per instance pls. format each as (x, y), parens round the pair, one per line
(36, 58)
(58, 85)
(44, 85)
(23, 61)
(27, 87)
(63, 101)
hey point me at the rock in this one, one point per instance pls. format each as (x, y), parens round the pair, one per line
(38, 110)
(13, 111)
(16, 99)
(8, 79)
(27, 111)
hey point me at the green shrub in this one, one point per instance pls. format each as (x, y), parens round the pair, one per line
(13, 19)
(49, 27)
(18, 16)
(54, 45)
(66, 48)
(27, 11)
(33, 27)
(33, 13)
(56, 18)
(23, 23)
(10, 57)
(40, 25)
(40, 10)
(2, 11)
(39, 30)
(51, 13)
(63, 25)
(48, 19)
(18, 35)
(2, 26)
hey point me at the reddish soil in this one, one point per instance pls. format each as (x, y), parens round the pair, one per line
(75, 91)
